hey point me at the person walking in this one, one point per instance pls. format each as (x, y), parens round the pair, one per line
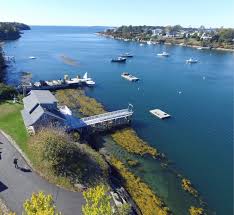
(16, 163)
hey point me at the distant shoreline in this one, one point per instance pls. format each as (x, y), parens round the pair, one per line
(165, 43)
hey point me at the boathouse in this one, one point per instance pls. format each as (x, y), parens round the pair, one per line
(40, 109)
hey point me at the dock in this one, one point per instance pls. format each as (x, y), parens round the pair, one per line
(159, 113)
(129, 77)
(99, 122)
(64, 83)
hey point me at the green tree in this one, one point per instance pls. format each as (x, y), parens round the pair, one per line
(6, 92)
(97, 201)
(40, 204)
(226, 35)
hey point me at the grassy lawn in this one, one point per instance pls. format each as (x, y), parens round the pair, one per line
(11, 122)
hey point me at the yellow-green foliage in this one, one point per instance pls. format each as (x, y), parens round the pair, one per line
(97, 201)
(40, 204)
(76, 99)
(187, 186)
(146, 200)
(129, 140)
(196, 211)
(132, 162)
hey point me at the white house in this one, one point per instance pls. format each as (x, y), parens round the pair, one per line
(156, 32)
(205, 36)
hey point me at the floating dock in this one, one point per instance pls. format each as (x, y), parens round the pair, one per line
(159, 113)
(129, 77)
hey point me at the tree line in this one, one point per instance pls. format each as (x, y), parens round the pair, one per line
(11, 30)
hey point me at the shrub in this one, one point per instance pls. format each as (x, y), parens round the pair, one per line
(97, 201)
(56, 155)
(40, 204)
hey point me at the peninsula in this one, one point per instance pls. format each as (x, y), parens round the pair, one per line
(11, 30)
(206, 38)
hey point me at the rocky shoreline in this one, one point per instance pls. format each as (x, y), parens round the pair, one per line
(165, 43)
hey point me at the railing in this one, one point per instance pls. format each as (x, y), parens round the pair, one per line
(109, 114)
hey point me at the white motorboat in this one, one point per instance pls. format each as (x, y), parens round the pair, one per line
(32, 57)
(129, 77)
(164, 54)
(90, 83)
(88, 80)
(191, 60)
(125, 55)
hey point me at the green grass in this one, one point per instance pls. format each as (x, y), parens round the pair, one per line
(11, 123)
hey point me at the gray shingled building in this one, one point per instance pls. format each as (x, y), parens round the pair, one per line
(40, 110)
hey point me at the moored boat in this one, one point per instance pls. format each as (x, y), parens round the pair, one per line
(129, 77)
(32, 57)
(125, 55)
(164, 54)
(88, 81)
(191, 60)
(119, 60)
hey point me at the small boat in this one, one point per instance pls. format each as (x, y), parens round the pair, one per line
(149, 42)
(141, 44)
(32, 57)
(87, 80)
(191, 60)
(126, 55)
(90, 83)
(204, 48)
(119, 60)
(164, 54)
(129, 77)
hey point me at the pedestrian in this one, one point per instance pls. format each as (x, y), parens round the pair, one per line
(16, 163)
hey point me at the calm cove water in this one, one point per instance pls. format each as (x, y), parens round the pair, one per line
(198, 137)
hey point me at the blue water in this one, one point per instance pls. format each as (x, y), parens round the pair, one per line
(198, 137)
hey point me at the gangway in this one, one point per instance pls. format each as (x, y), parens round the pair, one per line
(100, 122)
